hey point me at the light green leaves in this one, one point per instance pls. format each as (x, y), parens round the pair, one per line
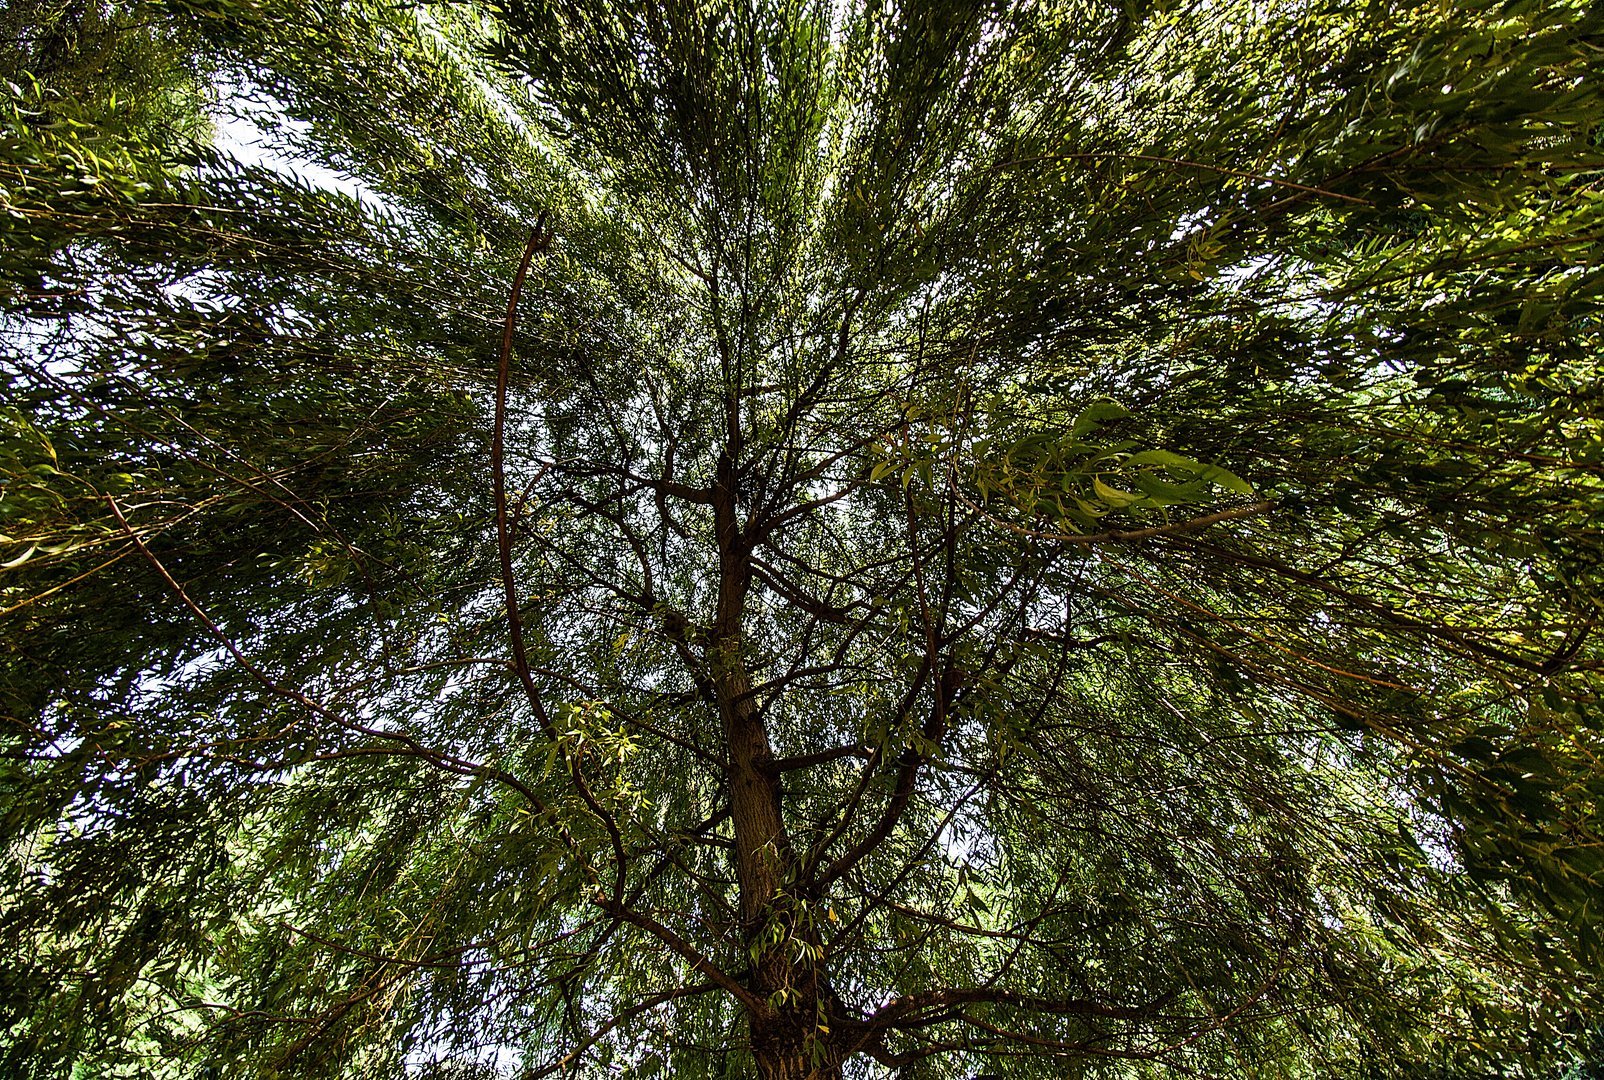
(1050, 477)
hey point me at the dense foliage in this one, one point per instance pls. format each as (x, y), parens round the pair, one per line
(1030, 539)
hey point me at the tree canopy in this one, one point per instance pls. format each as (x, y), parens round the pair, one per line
(802, 539)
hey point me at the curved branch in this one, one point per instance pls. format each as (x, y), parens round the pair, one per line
(539, 240)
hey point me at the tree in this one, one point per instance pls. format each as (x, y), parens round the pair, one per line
(808, 539)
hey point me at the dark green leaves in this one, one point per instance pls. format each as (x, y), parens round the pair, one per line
(1119, 483)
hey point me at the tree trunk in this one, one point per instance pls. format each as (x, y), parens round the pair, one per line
(788, 1043)
(789, 1047)
(762, 848)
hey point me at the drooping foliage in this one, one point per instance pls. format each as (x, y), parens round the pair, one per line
(1005, 539)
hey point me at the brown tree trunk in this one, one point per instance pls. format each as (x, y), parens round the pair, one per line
(761, 845)
(793, 1041)
(791, 1048)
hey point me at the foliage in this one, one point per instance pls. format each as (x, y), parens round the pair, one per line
(1020, 539)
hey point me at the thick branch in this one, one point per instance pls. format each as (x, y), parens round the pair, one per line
(906, 1010)
(754, 1004)
(806, 761)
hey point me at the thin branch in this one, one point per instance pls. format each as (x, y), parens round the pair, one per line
(563, 1063)
(413, 747)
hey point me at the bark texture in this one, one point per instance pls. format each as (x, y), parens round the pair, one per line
(793, 1039)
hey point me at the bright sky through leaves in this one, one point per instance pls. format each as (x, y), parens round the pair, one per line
(801, 540)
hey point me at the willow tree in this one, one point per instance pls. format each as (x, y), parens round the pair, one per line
(810, 539)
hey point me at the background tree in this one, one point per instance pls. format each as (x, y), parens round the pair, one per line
(1032, 540)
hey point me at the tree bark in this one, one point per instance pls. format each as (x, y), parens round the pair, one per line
(792, 1040)
(792, 1048)
(761, 844)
